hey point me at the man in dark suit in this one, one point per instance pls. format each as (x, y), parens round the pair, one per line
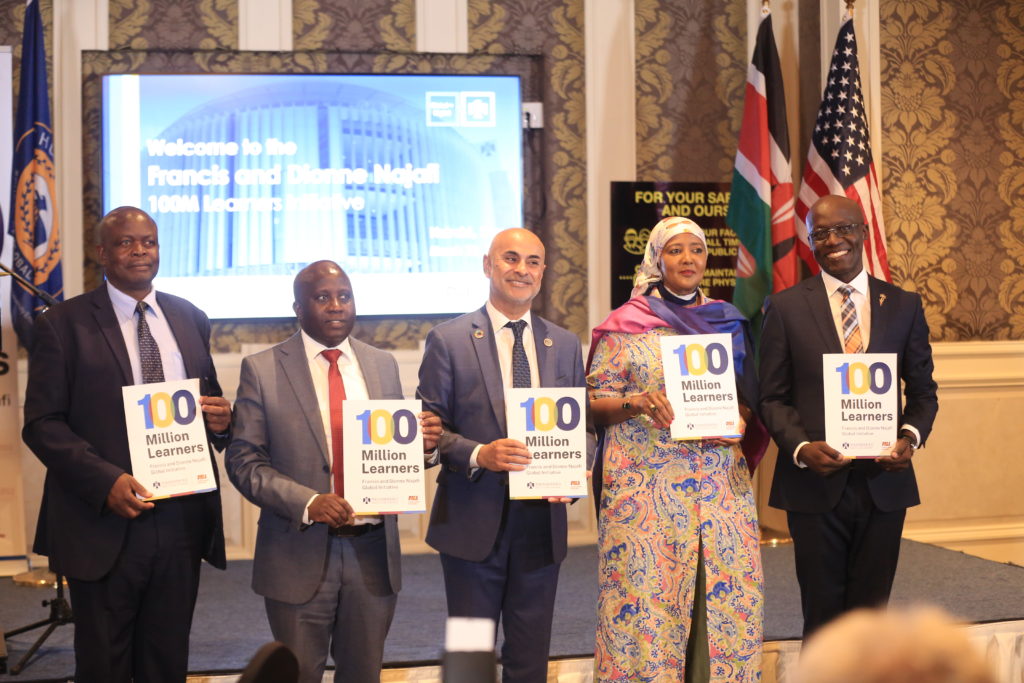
(499, 557)
(330, 580)
(132, 566)
(845, 517)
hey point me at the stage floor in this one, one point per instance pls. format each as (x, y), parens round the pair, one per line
(230, 623)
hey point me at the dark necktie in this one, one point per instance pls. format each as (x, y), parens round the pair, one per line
(852, 342)
(149, 352)
(520, 363)
(336, 392)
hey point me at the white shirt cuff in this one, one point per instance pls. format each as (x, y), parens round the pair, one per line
(796, 461)
(917, 434)
(473, 467)
(305, 513)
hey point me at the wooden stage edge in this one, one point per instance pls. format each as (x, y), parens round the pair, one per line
(1001, 641)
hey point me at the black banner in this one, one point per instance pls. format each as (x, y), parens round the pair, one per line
(636, 209)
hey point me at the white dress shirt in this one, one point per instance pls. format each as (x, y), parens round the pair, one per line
(504, 338)
(355, 389)
(861, 296)
(127, 320)
(860, 302)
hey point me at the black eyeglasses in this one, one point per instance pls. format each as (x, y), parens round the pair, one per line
(821, 236)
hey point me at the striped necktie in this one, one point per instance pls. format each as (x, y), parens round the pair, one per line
(852, 342)
(149, 352)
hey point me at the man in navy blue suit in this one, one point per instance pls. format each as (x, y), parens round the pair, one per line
(846, 517)
(132, 566)
(500, 557)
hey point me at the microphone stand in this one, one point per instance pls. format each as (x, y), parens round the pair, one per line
(60, 614)
(45, 296)
(60, 608)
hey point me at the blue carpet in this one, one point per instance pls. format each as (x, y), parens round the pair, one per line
(230, 623)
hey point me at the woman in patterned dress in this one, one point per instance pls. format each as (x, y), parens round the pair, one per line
(681, 587)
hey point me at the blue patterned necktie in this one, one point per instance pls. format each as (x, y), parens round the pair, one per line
(520, 363)
(852, 342)
(149, 352)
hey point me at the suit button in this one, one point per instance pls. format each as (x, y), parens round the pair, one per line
(451, 468)
(326, 469)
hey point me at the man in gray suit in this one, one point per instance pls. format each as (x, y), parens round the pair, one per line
(499, 557)
(330, 579)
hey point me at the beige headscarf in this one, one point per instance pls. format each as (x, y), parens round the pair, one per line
(666, 229)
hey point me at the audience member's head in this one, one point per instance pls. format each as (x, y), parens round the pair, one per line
(919, 645)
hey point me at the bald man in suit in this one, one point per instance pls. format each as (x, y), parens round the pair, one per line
(845, 517)
(499, 557)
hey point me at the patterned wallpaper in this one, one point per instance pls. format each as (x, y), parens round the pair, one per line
(553, 28)
(953, 116)
(953, 145)
(357, 25)
(173, 24)
(691, 68)
(12, 23)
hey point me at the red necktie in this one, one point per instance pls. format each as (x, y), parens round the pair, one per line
(336, 391)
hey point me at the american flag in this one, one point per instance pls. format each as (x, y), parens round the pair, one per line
(839, 159)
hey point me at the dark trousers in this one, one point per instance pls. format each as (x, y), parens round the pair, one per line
(134, 623)
(517, 582)
(845, 558)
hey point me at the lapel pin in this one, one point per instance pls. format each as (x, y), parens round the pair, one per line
(881, 300)
(478, 334)
(548, 342)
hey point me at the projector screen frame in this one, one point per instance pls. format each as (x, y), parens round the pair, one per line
(96, 64)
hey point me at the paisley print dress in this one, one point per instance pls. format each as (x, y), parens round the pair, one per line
(662, 502)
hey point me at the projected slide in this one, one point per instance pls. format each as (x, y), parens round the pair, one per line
(403, 180)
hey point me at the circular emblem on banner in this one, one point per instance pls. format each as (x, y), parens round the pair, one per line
(35, 208)
(634, 242)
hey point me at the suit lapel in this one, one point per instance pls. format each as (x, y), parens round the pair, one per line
(184, 334)
(103, 312)
(545, 353)
(821, 312)
(291, 356)
(482, 339)
(368, 366)
(876, 300)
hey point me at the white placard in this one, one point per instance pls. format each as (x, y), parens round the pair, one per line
(701, 385)
(552, 422)
(167, 438)
(860, 403)
(384, 468)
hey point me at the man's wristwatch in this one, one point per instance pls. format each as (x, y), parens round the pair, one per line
(909, 436)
